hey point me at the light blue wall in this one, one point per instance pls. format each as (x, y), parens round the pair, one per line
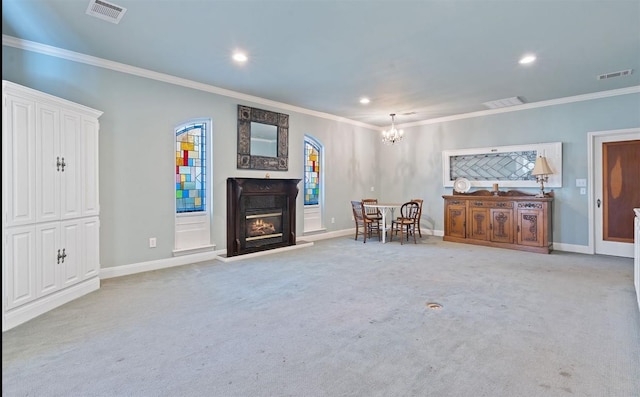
(137, 152)
(418, 159)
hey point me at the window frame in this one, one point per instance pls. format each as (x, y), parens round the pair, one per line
(192, 229)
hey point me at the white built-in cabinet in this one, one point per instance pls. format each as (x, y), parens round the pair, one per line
(50, 206)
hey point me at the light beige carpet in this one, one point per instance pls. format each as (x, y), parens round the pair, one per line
(343, 318)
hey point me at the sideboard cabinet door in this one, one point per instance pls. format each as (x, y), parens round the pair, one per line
(502, 226)
(531, 227)
(479, 220)
(455, 219)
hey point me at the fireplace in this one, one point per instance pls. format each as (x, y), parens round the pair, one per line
(261, 214)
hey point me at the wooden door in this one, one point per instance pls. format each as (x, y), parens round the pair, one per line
(531, 227)
(502, 225)
(455, 222)
(621, 193)
(479, 220)
(616, 191)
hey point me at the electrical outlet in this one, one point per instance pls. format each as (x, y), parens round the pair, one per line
(152, 242)
(372, 189)
(333, 220)
(580, 182)
(583, 190)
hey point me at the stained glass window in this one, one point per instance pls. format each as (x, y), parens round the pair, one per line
(191, 168)
(311, 172)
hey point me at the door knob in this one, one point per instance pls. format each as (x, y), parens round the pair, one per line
(598, 202)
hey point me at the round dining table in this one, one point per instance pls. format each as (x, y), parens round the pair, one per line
(384, 209)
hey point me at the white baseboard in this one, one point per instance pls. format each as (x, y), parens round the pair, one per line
(579, 249)
(126, 270)
(326, 235)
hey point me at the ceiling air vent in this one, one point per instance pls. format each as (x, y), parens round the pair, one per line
(106, 11)
(615, 74)
(502, 103)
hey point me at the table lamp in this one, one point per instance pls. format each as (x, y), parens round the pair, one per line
(541, 171)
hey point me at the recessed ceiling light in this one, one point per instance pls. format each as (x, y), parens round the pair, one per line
(240, 57)
(364, 100)
(529, 58)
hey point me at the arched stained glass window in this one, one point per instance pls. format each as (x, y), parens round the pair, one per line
(311, 172)
(191, 169)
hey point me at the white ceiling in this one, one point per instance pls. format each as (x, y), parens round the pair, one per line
(434, 58)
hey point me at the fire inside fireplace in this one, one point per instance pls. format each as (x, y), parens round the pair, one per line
(264, 225)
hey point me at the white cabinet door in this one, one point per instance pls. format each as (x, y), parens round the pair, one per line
(71, 252)
(90, 195)
(18, 160)
(20, 265)
(91, 244)
(47, 269)
(71, 168)
(47, 163)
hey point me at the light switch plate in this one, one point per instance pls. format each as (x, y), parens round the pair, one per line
(583, 190)
(581, 182)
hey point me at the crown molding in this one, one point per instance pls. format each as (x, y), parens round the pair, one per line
(32, 46)
(526, 106)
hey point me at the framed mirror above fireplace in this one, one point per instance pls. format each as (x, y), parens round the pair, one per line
(263, 139)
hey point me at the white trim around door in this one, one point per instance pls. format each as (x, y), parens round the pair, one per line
(596, 243)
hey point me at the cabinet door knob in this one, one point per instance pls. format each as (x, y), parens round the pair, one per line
(63, 164)
(58, 163)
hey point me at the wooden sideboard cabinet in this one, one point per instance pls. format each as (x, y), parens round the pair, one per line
(510, 219)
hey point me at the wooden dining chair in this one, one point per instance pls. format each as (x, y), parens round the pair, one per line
(372, 213)
(419, 201)
(406, 222)
(368, 225)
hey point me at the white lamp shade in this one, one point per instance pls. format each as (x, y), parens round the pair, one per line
(541, 167)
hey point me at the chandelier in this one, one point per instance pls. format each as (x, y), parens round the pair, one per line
(392, 135)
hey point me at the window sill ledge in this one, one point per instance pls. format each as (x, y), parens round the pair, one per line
(194, 250)
(314, 231)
